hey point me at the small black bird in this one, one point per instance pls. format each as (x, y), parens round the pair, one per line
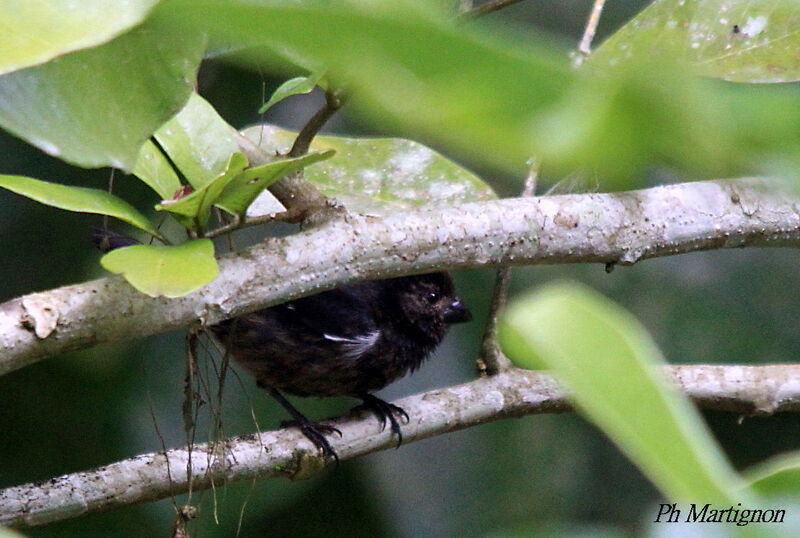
(349, 341)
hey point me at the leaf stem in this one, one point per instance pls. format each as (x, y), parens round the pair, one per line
(333, 102)
(290, 215)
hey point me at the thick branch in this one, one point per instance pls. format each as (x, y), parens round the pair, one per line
(747, 390)
(578, 228)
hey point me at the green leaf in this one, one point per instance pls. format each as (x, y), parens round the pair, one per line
(153, 168)
(37, 31)
(778, 476)
(478, 90)
(629, 116)
(198, 141)
(96, 107)
(78, 199)
(195, 208)
(614, 370)
(171, 271)
(379, 175)
(744, 41)
(294, 86)
(406, 67)
(246, 187)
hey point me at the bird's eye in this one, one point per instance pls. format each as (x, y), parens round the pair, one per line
(432, 297)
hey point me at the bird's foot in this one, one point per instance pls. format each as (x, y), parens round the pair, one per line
(316, 432)
(386, 411)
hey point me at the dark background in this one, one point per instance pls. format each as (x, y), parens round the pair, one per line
(519, 477)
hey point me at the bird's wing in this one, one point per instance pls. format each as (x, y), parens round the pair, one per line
(344, 316)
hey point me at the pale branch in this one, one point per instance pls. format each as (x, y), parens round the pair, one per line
(618, 228)
(585, 45)
(747, 390)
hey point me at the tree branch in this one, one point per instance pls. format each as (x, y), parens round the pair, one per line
(577, 228)
(333, 102)
(292, 191)
(585, 45)
(748, 390)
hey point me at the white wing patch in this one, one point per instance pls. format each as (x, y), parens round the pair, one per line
(355, 347)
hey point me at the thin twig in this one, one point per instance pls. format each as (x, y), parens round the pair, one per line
(491, 360)
(333, 102)
(585, 45)
(189, 408)
(290, 215)
(293, 191)
(300, 198)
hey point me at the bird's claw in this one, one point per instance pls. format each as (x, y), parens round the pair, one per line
(386, 411)
(315, 433)
(326, 429)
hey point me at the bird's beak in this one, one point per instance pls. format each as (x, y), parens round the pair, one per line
(456, 312)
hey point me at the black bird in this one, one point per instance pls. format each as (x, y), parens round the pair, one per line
(349, 341)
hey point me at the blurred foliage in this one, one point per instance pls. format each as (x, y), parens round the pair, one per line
(96, 107)
(754, 41)
(777, 476)
(45, 30)
(504, 99)
(612, 368)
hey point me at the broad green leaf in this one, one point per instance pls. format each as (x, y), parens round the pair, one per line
(78, 199)
(293, 86)
(378, 175)
(246, 187)
(469, 89)
(743, 41)
(778, 476)
(96, 107)
(614, 370)
(153, 168)
(35, 31)
(501, 98)
(195, 208)
(171, 271)
(629, 116)
(198, 141)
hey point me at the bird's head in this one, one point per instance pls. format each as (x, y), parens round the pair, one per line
(429, 303)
